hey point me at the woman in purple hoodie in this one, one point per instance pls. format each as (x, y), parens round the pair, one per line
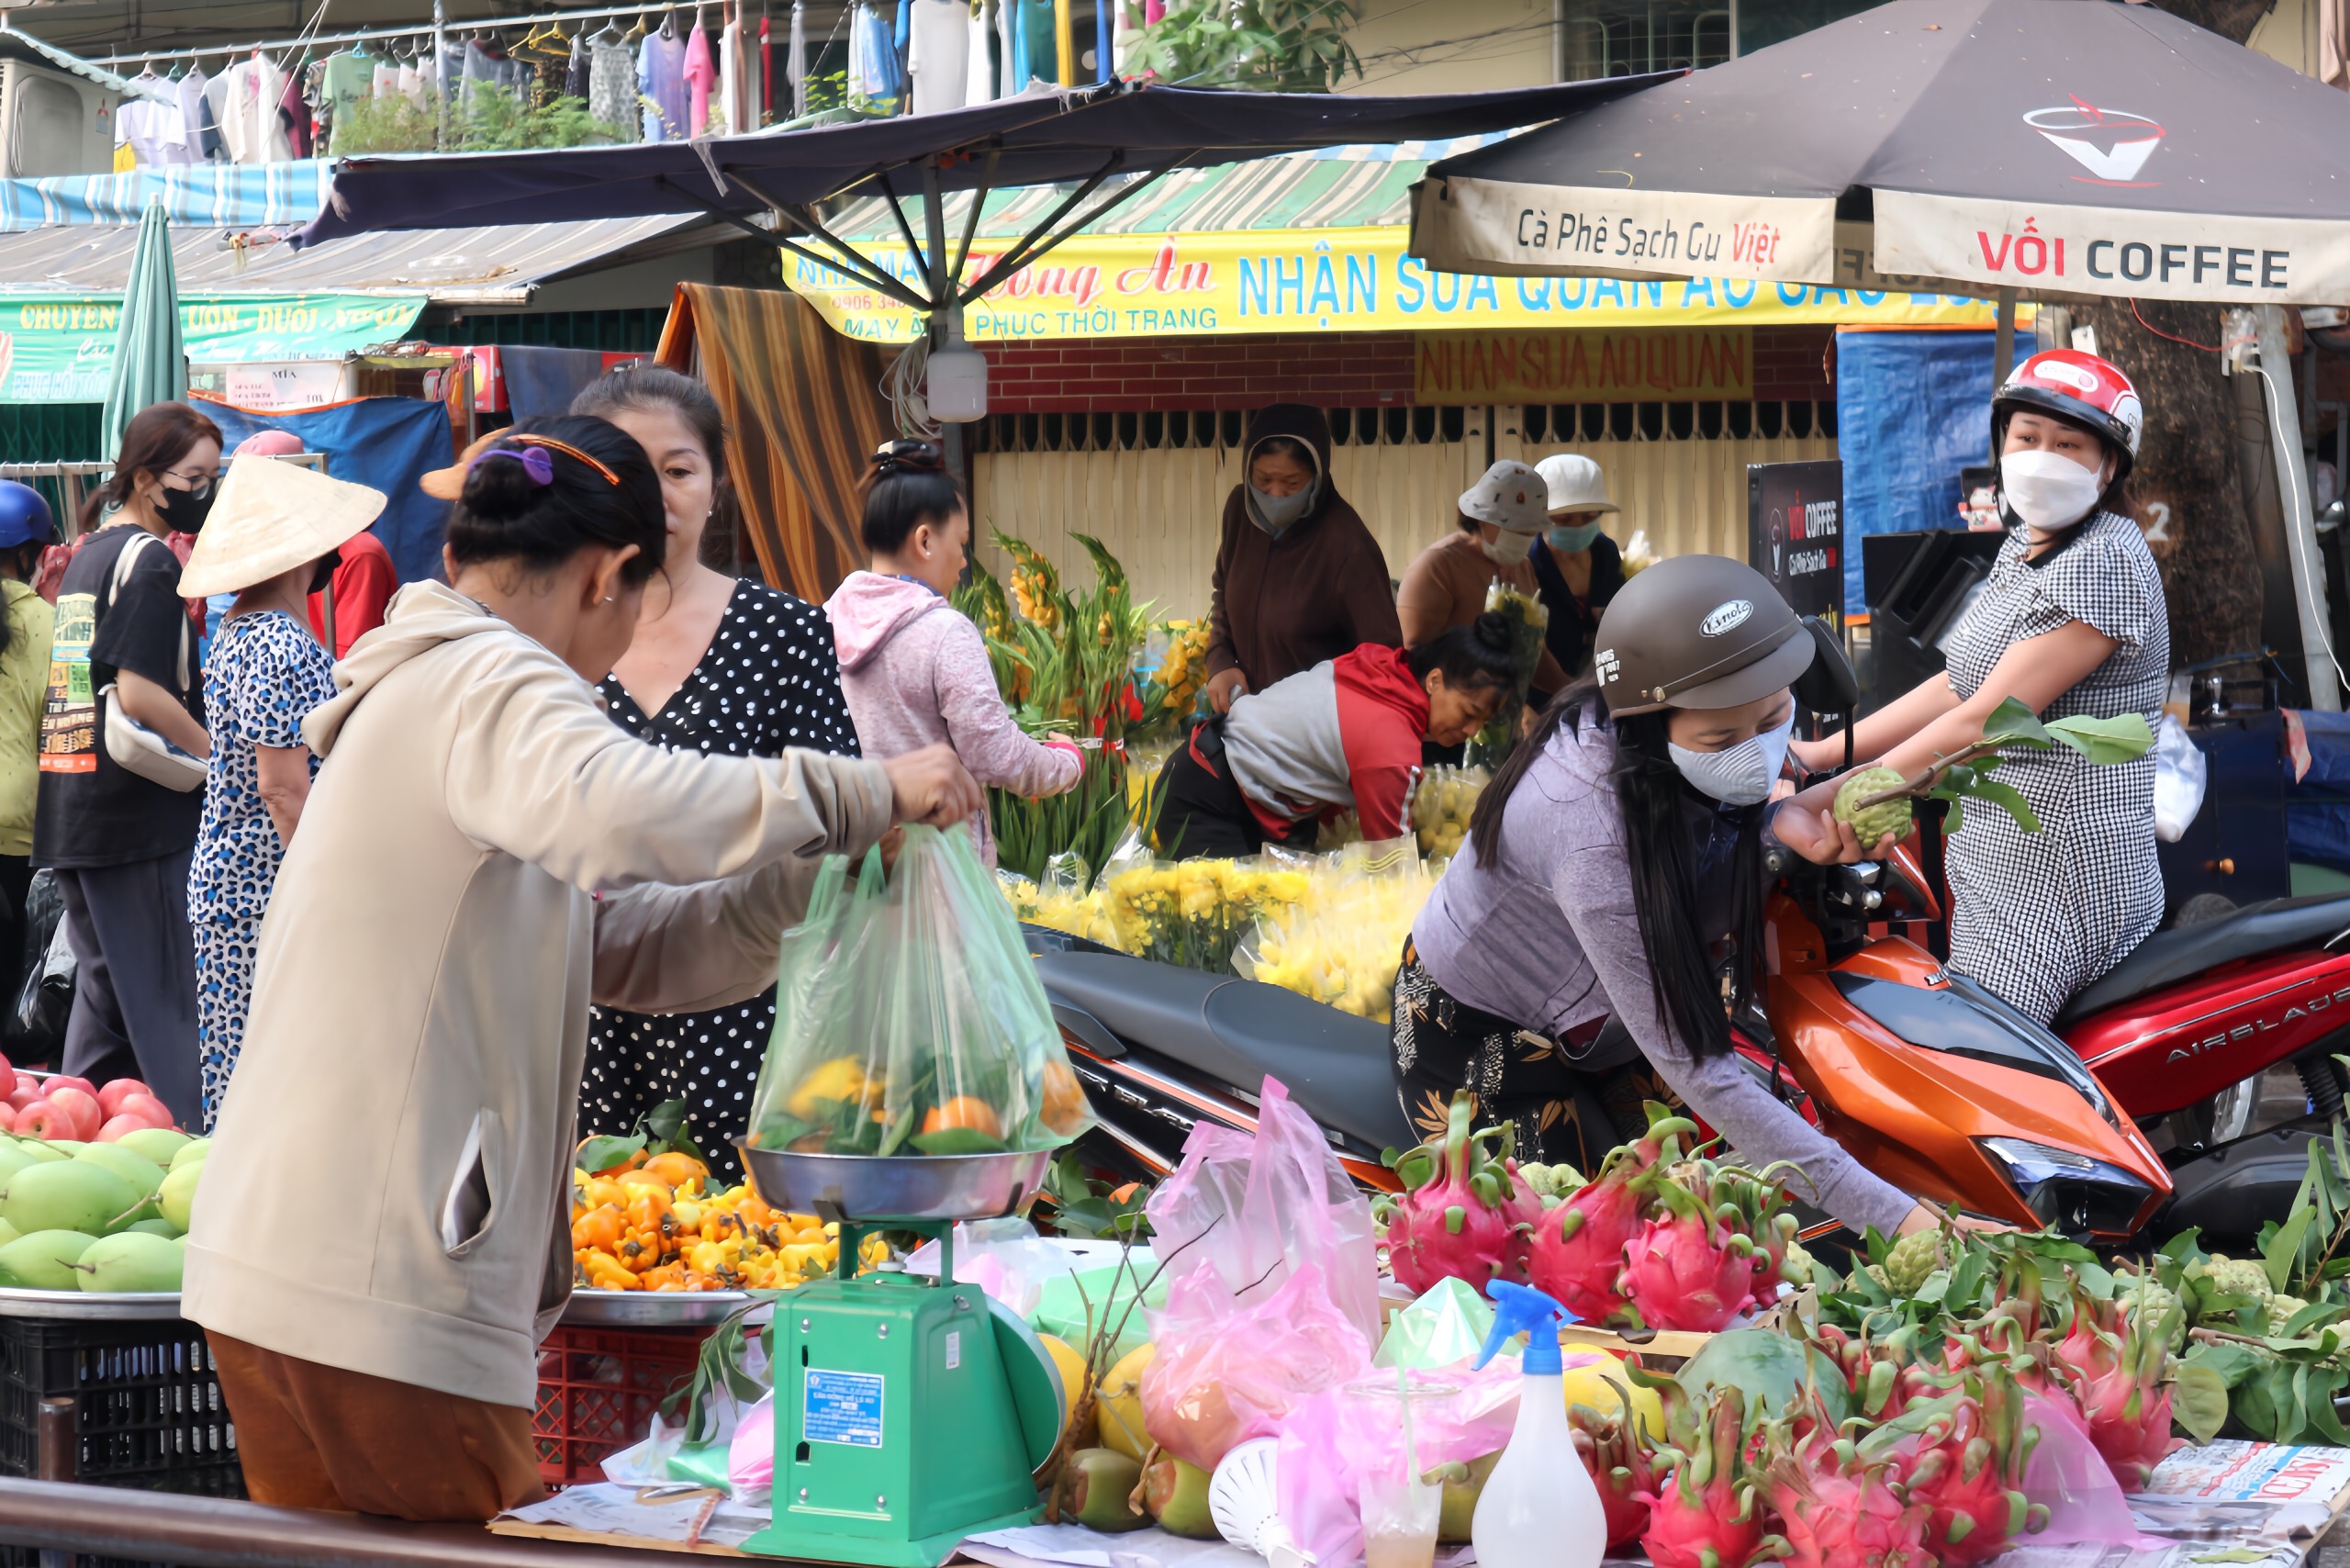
(914, 670)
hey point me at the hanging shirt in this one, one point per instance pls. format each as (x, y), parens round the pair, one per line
(661, 76)
(216, 109)
(575, 73)
(411, 82)
(154, 132)
(730, 78)
(189, 91)
(252, 127)
(700, 76)
(611, 87)
(874, 77)
(294, 117)
(978, 56)
(1007, 12)
(350, 77)
(937, 53)
(386, 81)
(767, 75)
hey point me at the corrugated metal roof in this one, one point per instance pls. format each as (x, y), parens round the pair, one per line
(23, 46)
(1333, 187)
(451, 266)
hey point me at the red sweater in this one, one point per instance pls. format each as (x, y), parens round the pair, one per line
(1345, 733)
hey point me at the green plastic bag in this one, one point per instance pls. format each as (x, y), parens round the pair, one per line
(1448, 1325)
(1061, 1309)
(909, 1019)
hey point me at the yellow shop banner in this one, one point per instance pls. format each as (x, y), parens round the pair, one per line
(1325, 280)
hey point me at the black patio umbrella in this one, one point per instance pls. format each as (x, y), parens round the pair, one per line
(2069, 148)
(1114, 139)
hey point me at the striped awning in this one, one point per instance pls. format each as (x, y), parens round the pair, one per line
(1361, 187)
(209, 196)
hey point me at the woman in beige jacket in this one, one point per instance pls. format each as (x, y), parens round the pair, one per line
(380, 1240)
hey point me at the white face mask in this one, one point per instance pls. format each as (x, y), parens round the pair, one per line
(1739, 775)
(1507, 549)
(2048, 489)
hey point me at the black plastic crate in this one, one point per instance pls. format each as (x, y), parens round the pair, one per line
(148, 1407)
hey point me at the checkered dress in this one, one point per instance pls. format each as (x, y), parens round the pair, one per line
(2040, 915)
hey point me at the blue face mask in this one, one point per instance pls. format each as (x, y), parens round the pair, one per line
(1567, 539)
(1739, 775)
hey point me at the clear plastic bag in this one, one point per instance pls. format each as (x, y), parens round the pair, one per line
(1341, 943)
(2067, 1475)
(2181, 772)
(1441, 805)
(1331, 1442)
(909, 1019)
(1272, 1283)
(36, 1026)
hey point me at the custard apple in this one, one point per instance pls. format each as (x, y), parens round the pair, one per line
(1912, 1259)
(1798, 1268)
(1876, 1271)
(1873, 822)
(2150, 1299)
(2280, 1311)
(2238, 1277)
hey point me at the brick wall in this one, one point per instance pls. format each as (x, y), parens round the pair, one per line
(1337, 370)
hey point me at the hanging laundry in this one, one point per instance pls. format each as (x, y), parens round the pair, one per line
(767, 75)
(1035, 31)
(661, 77)
(978, 55)
(215, 114)
(293, 116)
(576, 71)
(938, 57)
(152, 130)
(611, 86)
(1122, 28)
(411, 82)
(1007, 26)
(545, 57)
(875, 83)
(251, 126)
(730, 113)
(701, 76)
(796, 65)
(350, 77)
(385, 84)
(189, 91)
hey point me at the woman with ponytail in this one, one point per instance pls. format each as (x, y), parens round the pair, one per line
(484, 854)
(1614, 861)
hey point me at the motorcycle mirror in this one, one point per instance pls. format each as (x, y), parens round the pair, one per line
(1829, 685)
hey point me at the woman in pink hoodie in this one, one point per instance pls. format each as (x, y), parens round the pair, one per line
(915, 670)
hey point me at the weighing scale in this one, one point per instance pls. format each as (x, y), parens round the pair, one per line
(910, 1412)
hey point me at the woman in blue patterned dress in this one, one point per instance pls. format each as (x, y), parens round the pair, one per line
(270, 539)
(2071, 621)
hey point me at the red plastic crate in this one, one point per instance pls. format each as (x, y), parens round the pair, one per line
(597, 1391)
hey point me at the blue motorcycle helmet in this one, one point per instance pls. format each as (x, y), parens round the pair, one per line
(24, 517)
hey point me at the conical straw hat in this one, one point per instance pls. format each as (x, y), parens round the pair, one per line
(269, 518)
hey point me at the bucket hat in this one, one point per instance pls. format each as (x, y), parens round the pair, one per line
(1509, 496)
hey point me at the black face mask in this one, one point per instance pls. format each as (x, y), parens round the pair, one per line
(323, 573)
(184, 511)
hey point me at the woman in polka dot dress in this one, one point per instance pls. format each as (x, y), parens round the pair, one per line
(719, 666)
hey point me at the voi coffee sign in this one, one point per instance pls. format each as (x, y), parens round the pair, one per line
(1795, 533)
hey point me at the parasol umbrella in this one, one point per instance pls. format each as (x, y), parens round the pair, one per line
(149, 362)
(2072, 148)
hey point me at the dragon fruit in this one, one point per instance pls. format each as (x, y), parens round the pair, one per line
(1578, 1248)
(1964, 1455)
(1686, 1270)
(1463, 1215)
(1619, 1466)
(2117, 1370)
(1705, 1513)
(1836, 1510)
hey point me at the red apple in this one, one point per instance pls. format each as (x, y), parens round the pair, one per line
(7, 1117)
(42, 1120)
(111, 1097)
(82, 1107)
(7, 1071)
(23, 1095)
(59, 1081)
(147, 1108)
(26, 1081)
(117, 1126)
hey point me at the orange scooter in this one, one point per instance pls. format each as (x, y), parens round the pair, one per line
(1930, 1081)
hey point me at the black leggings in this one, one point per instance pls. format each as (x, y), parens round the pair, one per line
(1202, 811)
(1562, 1112)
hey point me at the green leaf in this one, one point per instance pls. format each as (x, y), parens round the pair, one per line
(2012, 721)
(2008, 798)
(603, 1153)
(664, 1125)
(2123, 738)
(2231, 1362)
(2283, 1250)
(2325, 1385)
(958, 1140)
(2186, 1247)
(1955, 819)
(2200, 1402)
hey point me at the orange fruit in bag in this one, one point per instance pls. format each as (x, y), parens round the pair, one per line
(1064, 1108)
(963, 1111)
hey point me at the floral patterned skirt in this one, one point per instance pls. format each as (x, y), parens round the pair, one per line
(1562, 1112)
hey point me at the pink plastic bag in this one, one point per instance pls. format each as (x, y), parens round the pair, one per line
(750, 1459)
(2066, 1473)
(1331, 1442)
(1272, 1283)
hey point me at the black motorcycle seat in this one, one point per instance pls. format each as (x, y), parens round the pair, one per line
(2168, 956)
(1235, 1031)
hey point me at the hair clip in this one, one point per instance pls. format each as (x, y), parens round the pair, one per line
(551, 444)
(898, 456)
(535, 462)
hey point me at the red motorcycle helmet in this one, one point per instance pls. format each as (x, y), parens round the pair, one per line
(2081, 389)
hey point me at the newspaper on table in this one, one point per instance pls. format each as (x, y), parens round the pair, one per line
(2240, 1503)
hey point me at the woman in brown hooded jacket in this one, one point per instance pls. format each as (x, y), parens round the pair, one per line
(1298, 580)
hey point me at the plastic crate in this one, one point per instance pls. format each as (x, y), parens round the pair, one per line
(597, 1391)
(148, 1408)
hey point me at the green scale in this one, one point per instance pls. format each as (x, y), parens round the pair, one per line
(909, 1411)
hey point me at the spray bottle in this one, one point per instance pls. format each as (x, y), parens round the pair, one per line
(1539, 1509)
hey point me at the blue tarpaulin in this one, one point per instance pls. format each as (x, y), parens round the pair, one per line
(1912, 409)
(387, 443)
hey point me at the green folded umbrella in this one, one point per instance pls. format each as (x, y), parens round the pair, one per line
(149, 361)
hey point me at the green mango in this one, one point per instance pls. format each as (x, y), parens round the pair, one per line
(176, 1197)
(128, 1163)
(158, 1226)
(1097, 1497)
(132, 1262)
(158, 1144)
(67, 1194)
(44, 1261)
(191, 1151)
(41, 1150)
